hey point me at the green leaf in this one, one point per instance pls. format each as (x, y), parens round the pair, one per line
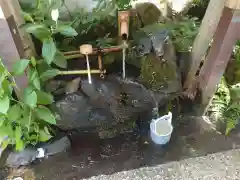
(1, 122)
(30, 97)
(48, 50)
(3, 73)
(19, 145)
(6, 130)
(5, 143)
(18, 132)
(60, 60)
(67, 30)
(44, 135)
(4, 104)
(27, 17)
(20, 66)
(44, 98)
(24, 120)
(49, 74)
(15, 112)
(19, 141)
(45, 114)
(42, 67)
(32, 74)
(40, 31)
(36, 83)
(231, 124)
(7, 88)
(33, 61)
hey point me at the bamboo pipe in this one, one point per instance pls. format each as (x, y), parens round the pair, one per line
(100, 66)
(97, 71)
(95, 52)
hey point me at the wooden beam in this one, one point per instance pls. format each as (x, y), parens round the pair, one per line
(204, 37)
(11, 46)
(233, 4)
(15, 10)
(224, 40)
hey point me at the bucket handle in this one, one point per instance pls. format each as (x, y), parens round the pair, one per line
(167, 117)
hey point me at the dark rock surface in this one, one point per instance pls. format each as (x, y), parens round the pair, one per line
(23, 158)
(114, 104)
(29, 155)
(57, 146)
(103, 104)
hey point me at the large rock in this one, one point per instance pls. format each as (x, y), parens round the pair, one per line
(161, 74)
(75, 111)
(23, 158)
(30, 154)
(103, 105)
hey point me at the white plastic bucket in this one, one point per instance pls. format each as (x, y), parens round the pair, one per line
(161, 129)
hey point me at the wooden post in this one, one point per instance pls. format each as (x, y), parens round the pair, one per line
(204, 37)
(15, 9)
(233, 4)
(224, 40)
(11, 44)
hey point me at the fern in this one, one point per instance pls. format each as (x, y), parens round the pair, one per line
(226, 105)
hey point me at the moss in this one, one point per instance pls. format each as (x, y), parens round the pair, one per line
(155, 73)
(232, 73)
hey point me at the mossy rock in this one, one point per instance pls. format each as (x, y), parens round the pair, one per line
(161, 74)
(155, 73)
(232, 73)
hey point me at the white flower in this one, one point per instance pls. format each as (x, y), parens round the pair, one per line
(55, 14)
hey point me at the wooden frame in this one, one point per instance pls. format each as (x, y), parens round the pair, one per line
(222, 23)
(203, 39)
(223, 43)
(14, 44)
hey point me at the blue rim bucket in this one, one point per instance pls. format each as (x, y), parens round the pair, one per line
(161, 129)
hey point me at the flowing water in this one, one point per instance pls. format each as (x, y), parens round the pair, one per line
(124, 59)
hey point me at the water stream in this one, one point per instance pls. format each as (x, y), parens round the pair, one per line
(124, 48)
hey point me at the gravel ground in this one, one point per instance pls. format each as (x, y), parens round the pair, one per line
(222, 166)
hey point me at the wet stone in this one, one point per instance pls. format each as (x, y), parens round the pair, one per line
(31, 154)
(103, 105)
(57, 146)
(23, 158)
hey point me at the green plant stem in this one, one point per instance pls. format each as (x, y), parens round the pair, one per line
(17, 101)
(29, 120)
(13, 79)
(38, 4)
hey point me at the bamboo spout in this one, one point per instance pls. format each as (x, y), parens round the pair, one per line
(123, 24)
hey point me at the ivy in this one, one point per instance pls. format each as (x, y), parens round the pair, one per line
(24, 121)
